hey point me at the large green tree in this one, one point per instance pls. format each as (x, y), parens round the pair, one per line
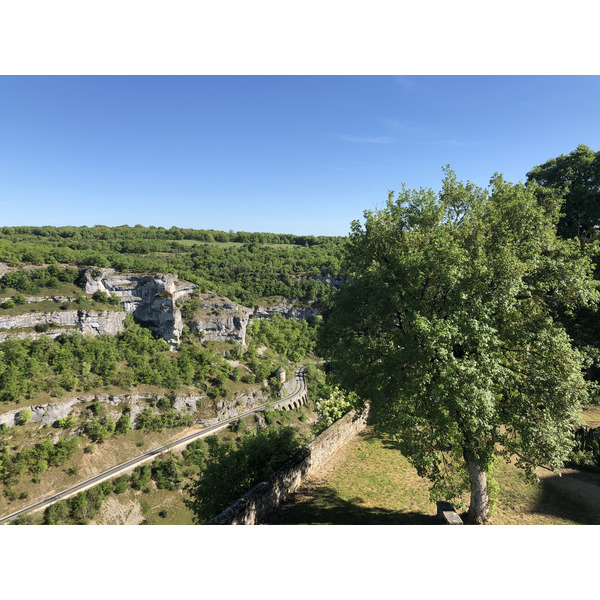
(447, 326)
(577, 177)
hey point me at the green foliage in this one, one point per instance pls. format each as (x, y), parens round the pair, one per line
(245, 272)
(585, 453)
(288, 337)
(84, 506)
(76, 362)
(120, 484)
(99, 430)
(24, 416)
(141, 477)
(230, 472)
(576, 177)
(36, 459)
(148, 419)
(66, 422)
(449, 326)
(34, 281)
(96, 407)
(333, 408)
(195, 453)
(167, 473)
(123, 424)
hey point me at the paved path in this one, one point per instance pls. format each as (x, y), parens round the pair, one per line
(134, 462)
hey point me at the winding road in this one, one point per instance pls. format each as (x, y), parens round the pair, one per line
(295, 399)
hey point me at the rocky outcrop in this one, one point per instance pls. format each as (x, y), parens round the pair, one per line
(219, 319)
(153, 299)
(47, 414)
(292, 309)
(94, 322)
(222, 320)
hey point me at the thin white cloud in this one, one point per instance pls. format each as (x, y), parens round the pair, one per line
(406, 82)
(366, 140)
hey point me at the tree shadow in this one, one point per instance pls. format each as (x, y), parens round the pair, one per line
(565, 497)
(324, 506)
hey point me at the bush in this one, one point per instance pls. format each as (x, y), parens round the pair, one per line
(95, 407)
(195, 453)
(141, 477)
(167, 474)
(120, 484)
(123, 424)
(57, 513)
(66, 422)
(24, 416)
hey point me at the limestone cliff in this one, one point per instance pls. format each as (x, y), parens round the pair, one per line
(153, 299)
(95, 322)
(219, 319)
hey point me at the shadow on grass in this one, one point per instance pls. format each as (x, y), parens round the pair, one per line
(325, 507)
(563, 497)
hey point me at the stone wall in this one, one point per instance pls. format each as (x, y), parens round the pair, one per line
(265, 497)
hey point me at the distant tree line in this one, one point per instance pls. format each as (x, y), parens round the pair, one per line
(243, 272)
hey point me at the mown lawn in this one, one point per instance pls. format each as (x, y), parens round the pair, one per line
(369, 482)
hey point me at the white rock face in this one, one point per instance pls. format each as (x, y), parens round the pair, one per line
(151, 298)
(292, 309)
(220, 320)
(95, 322)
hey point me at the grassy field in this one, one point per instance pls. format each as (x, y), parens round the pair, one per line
(369, 482)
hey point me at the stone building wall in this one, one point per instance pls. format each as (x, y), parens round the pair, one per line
(264, 498)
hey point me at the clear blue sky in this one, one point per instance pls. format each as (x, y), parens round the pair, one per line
(285, 154)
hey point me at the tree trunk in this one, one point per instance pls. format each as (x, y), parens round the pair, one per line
(479, 509)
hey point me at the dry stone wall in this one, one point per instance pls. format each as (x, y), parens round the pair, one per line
(265, 497)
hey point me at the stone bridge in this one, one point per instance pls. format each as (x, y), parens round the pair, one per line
(298, 398)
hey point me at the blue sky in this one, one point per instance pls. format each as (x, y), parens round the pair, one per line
(285, 154)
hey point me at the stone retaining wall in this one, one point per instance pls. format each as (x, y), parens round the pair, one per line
(265, 497)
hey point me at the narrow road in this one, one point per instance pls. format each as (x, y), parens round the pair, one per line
(130, 464)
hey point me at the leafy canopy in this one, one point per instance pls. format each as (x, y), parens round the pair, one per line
(447, 326)
(577, 176)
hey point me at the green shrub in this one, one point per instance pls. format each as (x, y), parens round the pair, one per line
(120, 484)
(195, 453)
(66, 422)
(123, 424)
(24, 416)
(166, 472)
(141, 477)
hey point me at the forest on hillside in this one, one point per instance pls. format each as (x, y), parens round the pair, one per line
(242, 266)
